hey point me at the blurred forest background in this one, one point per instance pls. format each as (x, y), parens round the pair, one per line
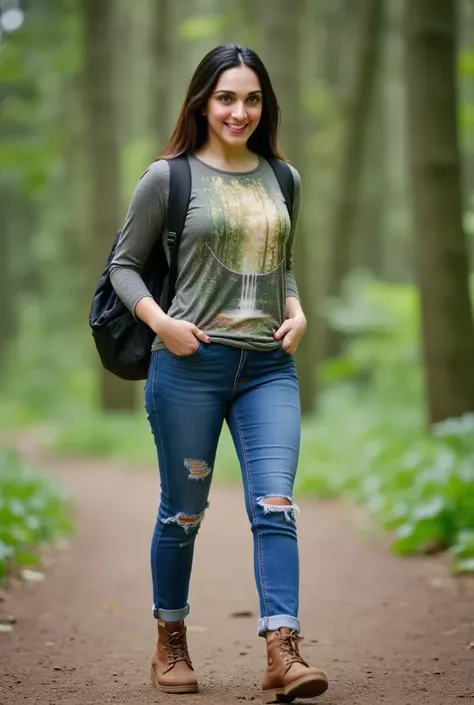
(377, 101)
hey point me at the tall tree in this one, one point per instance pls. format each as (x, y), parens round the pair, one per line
(281, 50)
(370, 230)
(8, 284)
(435, 171)
(143, 63)
(162, 56)
(103, 150)
(348, 178)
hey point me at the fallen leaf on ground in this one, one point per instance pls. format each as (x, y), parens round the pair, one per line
(8, 619)
(32, 576)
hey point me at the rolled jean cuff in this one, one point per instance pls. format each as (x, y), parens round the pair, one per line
(170, 615)
(271, 624)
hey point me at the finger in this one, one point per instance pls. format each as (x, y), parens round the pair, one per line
(200, 335)
(283, 330)
(287, 345)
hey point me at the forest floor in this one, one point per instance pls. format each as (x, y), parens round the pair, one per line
(397, 631)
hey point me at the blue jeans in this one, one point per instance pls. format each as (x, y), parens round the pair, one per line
(187, 399)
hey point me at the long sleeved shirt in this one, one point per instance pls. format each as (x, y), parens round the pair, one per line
(235, 256)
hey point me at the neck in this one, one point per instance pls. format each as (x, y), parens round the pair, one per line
(217, 153)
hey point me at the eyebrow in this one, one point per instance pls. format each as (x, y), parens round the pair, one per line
(223, 90)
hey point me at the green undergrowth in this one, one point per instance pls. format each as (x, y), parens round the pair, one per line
(33, 513)
(370, 439)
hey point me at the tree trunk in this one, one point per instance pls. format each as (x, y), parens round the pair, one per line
(370, 230)
(358, 111)
(398, 247)
(143, 66)
(162, 57)
(466, 97)
(8, 285)
(281, 53)
(440, 243)
(103, 149)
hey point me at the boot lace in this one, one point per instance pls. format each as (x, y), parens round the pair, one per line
(177, 648)
(289, 649)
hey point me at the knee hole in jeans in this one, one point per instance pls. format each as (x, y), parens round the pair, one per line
(279, 503)
(198, 469)
(188, 522)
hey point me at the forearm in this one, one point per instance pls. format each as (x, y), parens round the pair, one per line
(148, 311)
(293, 307)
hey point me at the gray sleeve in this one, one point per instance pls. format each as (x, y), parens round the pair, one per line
(144, 223)
(291, 286)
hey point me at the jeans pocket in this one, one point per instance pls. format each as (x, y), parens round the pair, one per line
(286, 354)
(186, 357)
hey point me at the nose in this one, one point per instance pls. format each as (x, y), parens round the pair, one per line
(239, 112)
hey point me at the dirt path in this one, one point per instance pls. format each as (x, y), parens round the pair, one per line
(386, 630)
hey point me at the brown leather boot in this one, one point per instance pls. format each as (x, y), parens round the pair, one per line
(288, 676)
(171, 667)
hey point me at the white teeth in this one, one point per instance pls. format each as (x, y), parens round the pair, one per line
(236, 127)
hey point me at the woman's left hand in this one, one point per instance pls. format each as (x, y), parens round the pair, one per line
(291, 331)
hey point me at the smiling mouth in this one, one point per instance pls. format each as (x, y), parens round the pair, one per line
(236, 128)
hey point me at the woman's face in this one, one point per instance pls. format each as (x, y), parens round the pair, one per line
(234, 108)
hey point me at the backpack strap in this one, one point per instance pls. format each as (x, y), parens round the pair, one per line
(178, 203)
(286, 181)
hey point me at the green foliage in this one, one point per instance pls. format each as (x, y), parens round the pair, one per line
(54, 366)
(469, 219)
(33, 512)
(199, 27)
(33, 65)
(467, 117)
(466, 63)
(370, 441)
(136, 156)
(124, 437)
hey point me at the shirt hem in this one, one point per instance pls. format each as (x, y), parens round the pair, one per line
(242, 344)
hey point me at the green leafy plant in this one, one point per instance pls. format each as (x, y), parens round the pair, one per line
(33, 512)
(370, 440)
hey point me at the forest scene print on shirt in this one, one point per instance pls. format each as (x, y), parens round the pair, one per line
(245, 253)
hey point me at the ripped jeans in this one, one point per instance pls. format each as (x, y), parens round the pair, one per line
(187, 399)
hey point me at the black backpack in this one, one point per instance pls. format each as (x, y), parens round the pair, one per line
(122, 341)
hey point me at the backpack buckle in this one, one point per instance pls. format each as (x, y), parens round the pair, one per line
(171, 240)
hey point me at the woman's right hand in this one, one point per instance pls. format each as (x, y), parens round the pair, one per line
(181, 337)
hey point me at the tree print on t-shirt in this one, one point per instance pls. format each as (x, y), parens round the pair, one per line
(246, 245)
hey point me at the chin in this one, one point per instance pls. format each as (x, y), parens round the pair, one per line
(233, 139)
(238, 139)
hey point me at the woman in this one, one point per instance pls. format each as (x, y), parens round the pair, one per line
(223, 352)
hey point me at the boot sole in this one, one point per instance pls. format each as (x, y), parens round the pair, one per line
(177, 689)
(304, 687)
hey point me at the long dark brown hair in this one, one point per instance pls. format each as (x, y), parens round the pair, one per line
(190, 132)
